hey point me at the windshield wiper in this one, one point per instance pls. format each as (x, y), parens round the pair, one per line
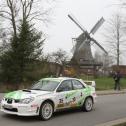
(26, 90)
(39, 89)
(36, 89)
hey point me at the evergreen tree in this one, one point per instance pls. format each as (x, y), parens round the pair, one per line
(29, 47)
(24, 50)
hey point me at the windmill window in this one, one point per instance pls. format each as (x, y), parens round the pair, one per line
(81, 60)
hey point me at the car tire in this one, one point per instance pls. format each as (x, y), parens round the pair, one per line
(88, 104)
(46, 111)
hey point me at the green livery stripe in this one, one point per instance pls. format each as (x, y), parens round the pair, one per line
(69, 95)
(14, 95)
(80, 102)
(87, 91)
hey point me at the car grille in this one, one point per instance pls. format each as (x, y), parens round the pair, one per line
(12, 110)
(9, 101)
(16, 100)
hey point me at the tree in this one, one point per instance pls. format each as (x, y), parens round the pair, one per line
(60, 57)
(2, 36)
(25, 49)
(26, 42)
(106, 61)
(10, 12)
(15, 10)
(115, 37)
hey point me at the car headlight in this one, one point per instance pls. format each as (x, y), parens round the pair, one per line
(3, 99)
(26, 100)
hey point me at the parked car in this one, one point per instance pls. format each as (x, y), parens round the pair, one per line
(49, 95)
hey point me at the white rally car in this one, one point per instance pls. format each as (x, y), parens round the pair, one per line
(49, 95)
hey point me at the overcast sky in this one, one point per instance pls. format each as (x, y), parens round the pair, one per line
(88, 12)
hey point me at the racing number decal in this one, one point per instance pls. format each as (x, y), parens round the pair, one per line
(69, 101)
(74, 99)
(61, 101)
(81, 94)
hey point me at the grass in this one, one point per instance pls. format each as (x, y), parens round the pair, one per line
(123, 124)
(106, 83)
(102, 83)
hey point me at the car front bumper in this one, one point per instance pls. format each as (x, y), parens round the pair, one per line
(20, 109)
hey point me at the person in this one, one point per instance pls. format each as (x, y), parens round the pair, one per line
(117, 77)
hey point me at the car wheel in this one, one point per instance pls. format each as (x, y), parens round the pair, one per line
(88, 104)
(46, 111)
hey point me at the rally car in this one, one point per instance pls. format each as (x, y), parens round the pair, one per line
(49, 95)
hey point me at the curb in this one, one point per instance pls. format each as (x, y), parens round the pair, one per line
(114, 122)
(110, 92)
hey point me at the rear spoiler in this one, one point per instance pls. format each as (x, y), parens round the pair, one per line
(91, 83)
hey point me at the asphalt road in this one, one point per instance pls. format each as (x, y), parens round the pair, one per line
(107, 108)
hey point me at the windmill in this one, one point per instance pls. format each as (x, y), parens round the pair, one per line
(82, 50)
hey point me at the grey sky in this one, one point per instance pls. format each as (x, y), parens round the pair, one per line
(88, 12)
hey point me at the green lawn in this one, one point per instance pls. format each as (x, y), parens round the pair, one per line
(102, 83)
(123, 124)
(106, 83)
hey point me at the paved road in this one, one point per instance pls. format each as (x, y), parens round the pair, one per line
(108, 107)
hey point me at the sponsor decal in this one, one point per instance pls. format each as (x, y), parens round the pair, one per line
(73, 104)
(71, 94)
(74, 99)
(34, 106)
(61, 103)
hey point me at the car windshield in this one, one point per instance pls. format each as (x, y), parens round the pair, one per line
(45, 85)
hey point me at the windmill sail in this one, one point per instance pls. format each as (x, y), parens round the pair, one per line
(99, 45)
(76, 22)
(97, 25)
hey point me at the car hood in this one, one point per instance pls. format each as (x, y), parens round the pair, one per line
(22, 94)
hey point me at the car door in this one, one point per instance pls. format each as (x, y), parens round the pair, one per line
(64, 94)
(79, 88)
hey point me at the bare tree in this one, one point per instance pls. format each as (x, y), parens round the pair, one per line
(60, 57)
(115, 37)
(9, 11)
(30, 10)
(3, 38)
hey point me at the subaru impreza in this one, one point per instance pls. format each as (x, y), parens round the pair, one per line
(49, 95)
